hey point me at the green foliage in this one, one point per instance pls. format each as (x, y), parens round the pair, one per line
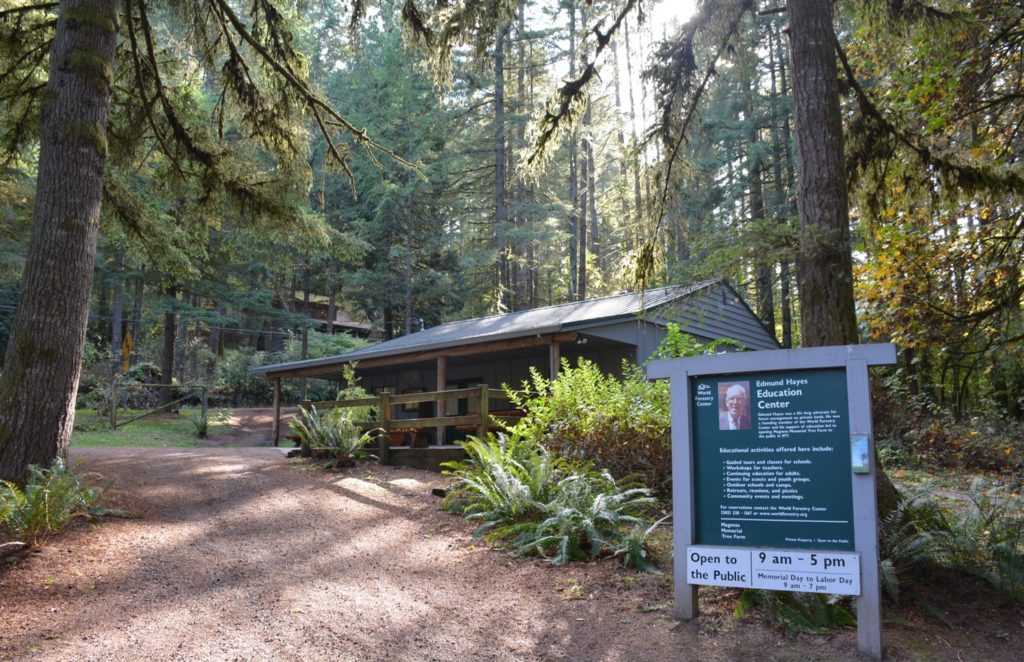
(321, 344)
(201, 419)
(914, 430)
(981, 535)
(678, 344)
(403, 265)
(634, 548)
(589, 516)
(559, 509)
(353, 391)
(201, 422)
(233, 376)
(335, 432)
(620, 425)
(906, 541)
(799, 612)
(986, 539)
(50, 499)
(506, 479)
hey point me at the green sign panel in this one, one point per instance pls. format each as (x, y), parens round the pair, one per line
(772, 460)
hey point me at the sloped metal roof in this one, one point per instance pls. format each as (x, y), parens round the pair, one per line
(550, 319)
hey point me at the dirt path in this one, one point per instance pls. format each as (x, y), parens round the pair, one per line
(249, 427)
(242, 554)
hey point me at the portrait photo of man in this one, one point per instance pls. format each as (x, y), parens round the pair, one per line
(734, 406)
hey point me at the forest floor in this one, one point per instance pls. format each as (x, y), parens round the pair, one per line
(242, 553)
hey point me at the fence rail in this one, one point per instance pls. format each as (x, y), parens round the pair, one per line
(202, 391)
(480, 421)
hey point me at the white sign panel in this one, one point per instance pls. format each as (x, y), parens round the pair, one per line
(808, 571)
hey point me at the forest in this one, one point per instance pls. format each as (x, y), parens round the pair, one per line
(414, 163)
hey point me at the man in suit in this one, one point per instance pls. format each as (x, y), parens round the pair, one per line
(737, 409)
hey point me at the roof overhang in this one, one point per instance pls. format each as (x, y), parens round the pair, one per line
(370, 359)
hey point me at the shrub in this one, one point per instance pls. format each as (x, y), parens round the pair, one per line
(234, 379)
(560, 509)
(982, 536)
(590, 515)
(620, 425)
(913, 431)
(50, 499)
(334, 432)
(505, 480)
(986, 539)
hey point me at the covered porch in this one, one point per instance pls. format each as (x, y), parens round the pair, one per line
(435, 397)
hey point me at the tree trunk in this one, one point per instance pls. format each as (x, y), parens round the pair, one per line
(524, 231)
(181, 341)
(303, 383)
(215, 339)
(783, 187)
(117, 316)
(763, 267)
(637, 194)
(595, 237)
(44, 354)
(332, 309)
(573, 174)
(620, 135)
(193, 344)
(825, 268)
(825, 262)
(140, 288)
(500, 194)
(167, 355)
(100, 330)
(581, 280)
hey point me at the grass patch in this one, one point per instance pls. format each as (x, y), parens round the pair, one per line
(157, 431)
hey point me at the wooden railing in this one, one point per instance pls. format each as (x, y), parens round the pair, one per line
(480, 421)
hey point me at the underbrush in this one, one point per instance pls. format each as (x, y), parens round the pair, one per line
(913, 431)
(972, 545)
(335, 433)
(980, 535)
(622, 426)
(554, 507)
(50, 499)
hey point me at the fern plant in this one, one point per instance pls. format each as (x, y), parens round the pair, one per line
(6, 508)
(983, 537)
(334, 432)
(987, 539)
(553, 507)
(798, 612)
(50, 499)
(504, 480)
(634, 549)
(587, 518)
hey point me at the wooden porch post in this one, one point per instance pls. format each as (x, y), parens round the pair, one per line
(384, 421)
(442, 381)
(485, 411)
(277, 410)
(555, 357)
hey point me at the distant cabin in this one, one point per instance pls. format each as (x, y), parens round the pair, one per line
(501, 349)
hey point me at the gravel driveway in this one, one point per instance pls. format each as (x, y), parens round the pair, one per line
(242, 554)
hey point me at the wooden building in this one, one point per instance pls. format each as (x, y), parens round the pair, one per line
(501, 349)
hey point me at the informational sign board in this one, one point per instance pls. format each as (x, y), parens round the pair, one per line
(835, 573)
(774, 475)
(772, 460)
